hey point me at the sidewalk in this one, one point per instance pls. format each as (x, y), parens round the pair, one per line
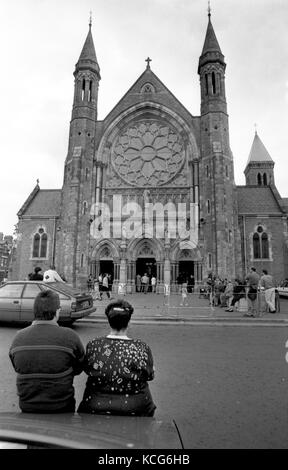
(151, 308)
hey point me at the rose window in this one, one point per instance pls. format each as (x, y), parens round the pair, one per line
(148, 153)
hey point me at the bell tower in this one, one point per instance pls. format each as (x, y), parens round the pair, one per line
(217, 187)
(73, 230)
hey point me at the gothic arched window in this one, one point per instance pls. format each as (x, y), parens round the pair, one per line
(264, 179)
(206, 83)
(213, 83)
(260, 244)
(256, 246)
(83, 89)
(208, 206)
(259, 179)
(40, 244)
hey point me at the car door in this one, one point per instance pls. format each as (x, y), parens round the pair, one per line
(27, 301)
(10, 301)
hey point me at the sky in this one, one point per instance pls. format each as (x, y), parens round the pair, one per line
(40, 43)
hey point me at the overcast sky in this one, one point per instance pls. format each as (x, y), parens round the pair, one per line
(41, 41)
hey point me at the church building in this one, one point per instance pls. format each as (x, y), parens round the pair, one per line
(150, 151)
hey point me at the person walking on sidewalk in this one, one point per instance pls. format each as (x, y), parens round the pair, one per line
(252, 282)
(184, 293)
(267, 283)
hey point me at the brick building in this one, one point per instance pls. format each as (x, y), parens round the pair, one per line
(6, 243)
(151, 150)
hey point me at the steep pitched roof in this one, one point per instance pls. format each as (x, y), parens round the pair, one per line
(42, 202)
(161, 94)
(258, 152)
(210, 43)
(88, 55)
(257, 200)
(211, 51)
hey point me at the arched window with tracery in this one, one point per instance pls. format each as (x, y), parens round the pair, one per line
(260, 244)
(40, 244)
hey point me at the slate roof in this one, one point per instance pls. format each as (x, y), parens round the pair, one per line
(257, 200)
(210, 43)
(285, 203)
(258, 152)
(88, 57)
(44, 202)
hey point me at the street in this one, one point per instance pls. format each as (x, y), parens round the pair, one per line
(225, 386)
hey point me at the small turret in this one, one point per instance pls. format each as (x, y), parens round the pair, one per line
(260, 166)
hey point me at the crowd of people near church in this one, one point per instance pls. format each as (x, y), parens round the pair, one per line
(226, 294)
(101, 285)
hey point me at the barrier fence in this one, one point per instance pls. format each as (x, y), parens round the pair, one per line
(202, 301)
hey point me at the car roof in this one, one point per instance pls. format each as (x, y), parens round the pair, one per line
(72, 430)
(60, 286)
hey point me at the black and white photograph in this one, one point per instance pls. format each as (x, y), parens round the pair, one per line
(144, 227)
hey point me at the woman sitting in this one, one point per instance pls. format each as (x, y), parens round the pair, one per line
(118, 368)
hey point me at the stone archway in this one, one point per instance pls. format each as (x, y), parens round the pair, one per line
(186, 261)
(105, 259)
(144, 255)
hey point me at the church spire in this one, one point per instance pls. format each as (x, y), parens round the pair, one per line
(88, 59)
(211, 51)
(211, 69)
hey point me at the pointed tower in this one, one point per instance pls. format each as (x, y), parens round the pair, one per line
(217, 188)
(260, 166)
(73, 231)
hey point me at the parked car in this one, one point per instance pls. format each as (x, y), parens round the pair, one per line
(17, 300)
(86, 431)
(283, 288)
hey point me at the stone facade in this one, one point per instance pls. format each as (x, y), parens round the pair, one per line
(151, 150)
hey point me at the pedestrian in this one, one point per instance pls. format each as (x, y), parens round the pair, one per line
(51, 275)
(100, 280)
(144, 283)
(153, 283)
(118, 368)
(97, 294)
(110, 284)
(252, 283)
(90, 283)
(138, 283)
(238, 293)
(184, 294)
(105, 285)
(228, 293)
(46, 357)
(37, 276)
(267, 283)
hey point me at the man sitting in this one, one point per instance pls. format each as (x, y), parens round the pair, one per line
(46, 358)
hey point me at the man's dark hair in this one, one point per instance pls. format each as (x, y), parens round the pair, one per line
(46, 304)
(253, 269)
(118, 314)
(264, 271)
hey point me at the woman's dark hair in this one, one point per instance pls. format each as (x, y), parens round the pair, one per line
(118, 314)
(46, 304)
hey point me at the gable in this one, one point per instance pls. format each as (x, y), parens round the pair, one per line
(44, 202)
(149, 88)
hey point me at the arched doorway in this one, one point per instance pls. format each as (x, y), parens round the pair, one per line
(186, 266)
(105, 260)
(146, 260)
(106, 263)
